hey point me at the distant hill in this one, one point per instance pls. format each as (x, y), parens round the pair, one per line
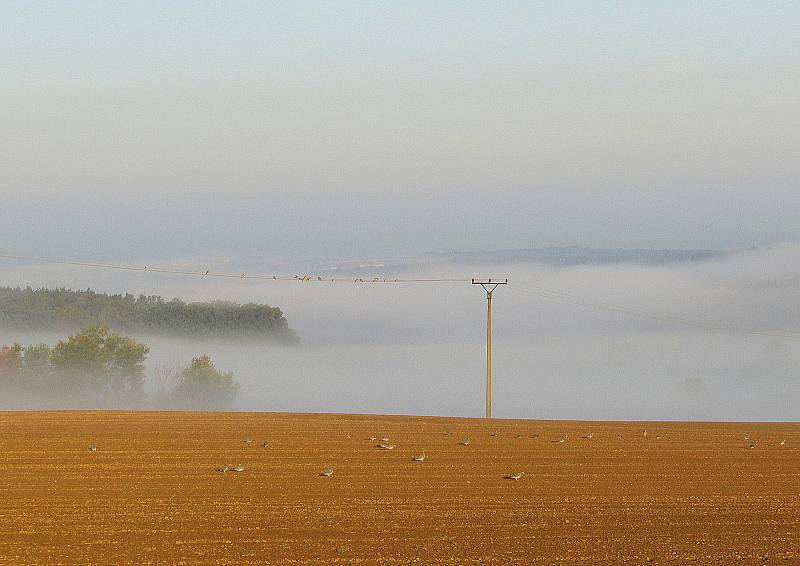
(65, 309)
(556, 256)
(575, 255)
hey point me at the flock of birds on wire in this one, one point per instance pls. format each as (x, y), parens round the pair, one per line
(384, 443)
(304, 278)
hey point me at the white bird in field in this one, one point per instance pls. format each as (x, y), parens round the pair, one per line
(327, 472)
(644, 433)
(372, 438)
(248, 441)
(385, 439)
(264, 444)
(588, 436)
(752, 445)
(514, 476)
(92, 448)
(384, 446)
(419, 457)
(464, 442)
(225, 469)
(782, 443)
(561, 440)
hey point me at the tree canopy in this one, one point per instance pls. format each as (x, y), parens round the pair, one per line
(201, 385)
(95, 367)
(101, 361)
(65, 309)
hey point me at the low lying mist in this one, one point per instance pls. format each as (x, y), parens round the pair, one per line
(420, 348)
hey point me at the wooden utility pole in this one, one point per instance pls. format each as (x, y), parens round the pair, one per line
(489, 285)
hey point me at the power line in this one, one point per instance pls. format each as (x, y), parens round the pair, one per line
(526, 288)
(228, 275)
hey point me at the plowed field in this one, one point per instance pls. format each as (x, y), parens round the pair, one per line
(151, 492)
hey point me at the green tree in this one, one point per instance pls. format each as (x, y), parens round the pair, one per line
(100, 361)
(36, 368)
(67, 309)
(202, 386)
(10, 366)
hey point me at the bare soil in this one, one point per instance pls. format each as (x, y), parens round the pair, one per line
(150, 493)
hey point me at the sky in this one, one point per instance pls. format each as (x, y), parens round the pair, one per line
(337, 129)
(184, 133)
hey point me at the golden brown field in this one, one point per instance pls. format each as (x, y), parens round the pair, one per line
(687, 492)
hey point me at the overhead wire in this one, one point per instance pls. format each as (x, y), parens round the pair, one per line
(524, 288)
(229, 275)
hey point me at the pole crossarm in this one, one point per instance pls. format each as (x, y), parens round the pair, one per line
(489, 285)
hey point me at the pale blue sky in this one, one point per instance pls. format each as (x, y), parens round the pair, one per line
(364, 128)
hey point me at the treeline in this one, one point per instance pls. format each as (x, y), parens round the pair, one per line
(96, 368)
(68, 310)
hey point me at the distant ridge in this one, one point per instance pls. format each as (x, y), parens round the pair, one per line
(576, 255)
(555, 256)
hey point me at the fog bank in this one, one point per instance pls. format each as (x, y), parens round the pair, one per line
(419, 349)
